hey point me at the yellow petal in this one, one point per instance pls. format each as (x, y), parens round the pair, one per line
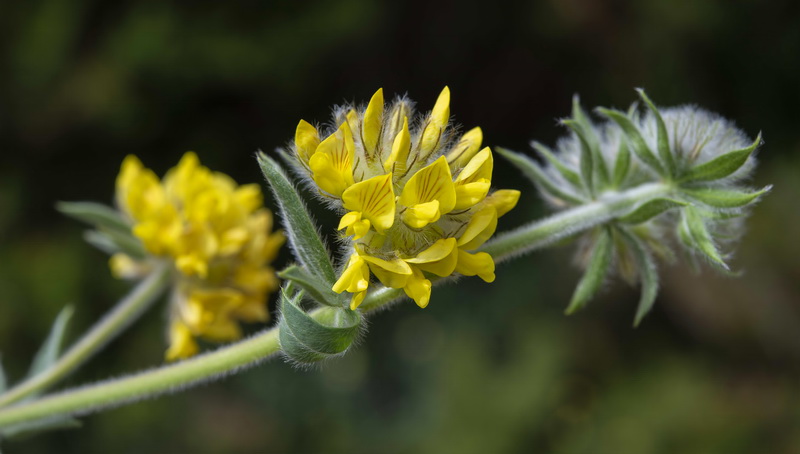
(479, 229)
(392, 273)
(354, 224)
(306, 140)
(479, 167)
(124, 267)
(418, 288)
(466, 148)
(181, 342)
(373, 119)
(397, 160)
(354, 278)
(356, 300)
(480, 264)
(440, 258)
(469, 194)
(374, 199)
(332, 164)
(400, 111)
(352, 119)
(503, 200)
(433, 182)
(440, 115)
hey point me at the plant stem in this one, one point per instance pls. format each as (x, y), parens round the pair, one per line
(126, 311)
(250, 352)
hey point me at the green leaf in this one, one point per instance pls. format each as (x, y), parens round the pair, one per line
(113, 241)
(95, 214)
(317, 289)
(30, 428)
(635, 139)
(725, 198)
(589, 139)
(648, 274)
(649, 210)
(722, 166)
(622, 164)
(701, 238)
(568, 174)
(531, 169)
(51, 348)
(101, 241)
(664, 150)
(595, 274)
(307, 339)
(300, 228)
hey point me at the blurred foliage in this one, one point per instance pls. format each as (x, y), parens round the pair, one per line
(486, 368)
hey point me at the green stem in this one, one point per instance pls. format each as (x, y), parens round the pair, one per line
(126, 311)
(251, 351)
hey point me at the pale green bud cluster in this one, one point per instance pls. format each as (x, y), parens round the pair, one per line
(693, 161)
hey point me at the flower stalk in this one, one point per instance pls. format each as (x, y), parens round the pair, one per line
(250, 352)
(126, 312)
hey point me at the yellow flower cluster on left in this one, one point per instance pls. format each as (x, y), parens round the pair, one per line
(218, 236)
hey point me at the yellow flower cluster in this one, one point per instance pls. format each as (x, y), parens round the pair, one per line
(217, 235)
(415, 202)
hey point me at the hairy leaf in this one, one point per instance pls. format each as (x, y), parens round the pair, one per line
(595, 274)
(317, 289)
(300, 228)
(37, 426)
(568, 174)
(722, 166)
(725, 198)
(649, 210)
(622, 164)
(662, 138)
(95, 214)
(635, 139)
(648, 274)
(701, 238)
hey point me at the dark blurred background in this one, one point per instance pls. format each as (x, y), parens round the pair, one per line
(485, 368)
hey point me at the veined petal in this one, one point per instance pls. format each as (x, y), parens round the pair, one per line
(306, 140)
(332, 164)
(503, 200)
(373, 120)
(392, 273)
(354, 278)
(397, 160)
(480, 264)
(433, 182)
(479, 229)
(440, 258)
(418, 288)
(440, 115)
(374, 199)
(466, 148)
(479, 168)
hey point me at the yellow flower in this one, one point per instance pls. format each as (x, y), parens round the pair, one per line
(415, 202)
(216, 234)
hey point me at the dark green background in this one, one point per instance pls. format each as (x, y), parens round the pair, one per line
(485, 368)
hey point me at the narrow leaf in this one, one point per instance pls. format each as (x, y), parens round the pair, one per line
(51, 348)
(725, 198)
(320, 291)
(596, 272)
(116, 241)
(587, 160)
(622, 164)
(648, 275)
(662, 138)
(301, 230)
(649, 210)
(635, 139)
(30, 428)
(589, 137)
(722, 166)
(95, 214)
(697, 229)
(3, 380)
(101, 241)
(568, 174)
(531, 169)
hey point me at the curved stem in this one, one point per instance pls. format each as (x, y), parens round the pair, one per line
(126, 311)
(250, 352)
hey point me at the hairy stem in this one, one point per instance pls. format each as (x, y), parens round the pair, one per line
(126, 311)
(250, 352)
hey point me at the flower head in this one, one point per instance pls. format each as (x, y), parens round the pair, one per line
(414, 196)
(217, 235)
